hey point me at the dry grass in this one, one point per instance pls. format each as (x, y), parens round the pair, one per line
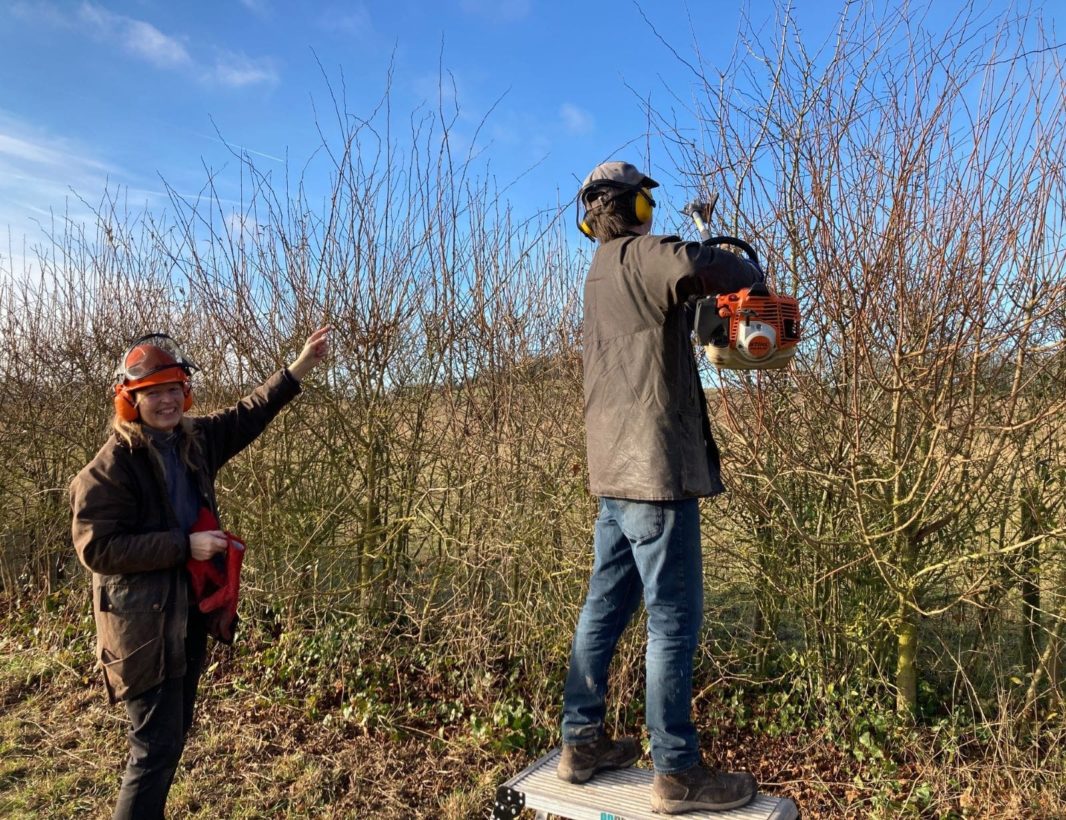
(63, 751)
(261, 751)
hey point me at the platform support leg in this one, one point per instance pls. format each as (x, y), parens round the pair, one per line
(509, 804)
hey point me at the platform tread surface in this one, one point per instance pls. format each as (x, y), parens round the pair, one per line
(622, 794)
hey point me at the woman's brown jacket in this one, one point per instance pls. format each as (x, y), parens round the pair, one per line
(125, 531)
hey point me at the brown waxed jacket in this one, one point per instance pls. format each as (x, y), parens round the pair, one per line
(125, 531)
(648, 435)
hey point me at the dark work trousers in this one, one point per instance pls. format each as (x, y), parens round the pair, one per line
(159, 723)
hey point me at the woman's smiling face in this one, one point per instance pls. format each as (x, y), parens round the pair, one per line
(161, 405)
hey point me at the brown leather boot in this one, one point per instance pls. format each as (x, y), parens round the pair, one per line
(700, 788)
(578, 763)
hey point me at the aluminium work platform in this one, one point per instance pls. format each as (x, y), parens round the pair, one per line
(622, 794)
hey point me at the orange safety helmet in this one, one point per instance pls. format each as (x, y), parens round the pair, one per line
(151, 359)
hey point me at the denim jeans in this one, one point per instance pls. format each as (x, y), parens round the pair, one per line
(648, 549)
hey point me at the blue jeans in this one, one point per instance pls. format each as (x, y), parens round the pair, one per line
(648, 549)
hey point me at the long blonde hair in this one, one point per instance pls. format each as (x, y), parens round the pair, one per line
(132, 434)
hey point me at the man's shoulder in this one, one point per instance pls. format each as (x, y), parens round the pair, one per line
(656, 244)
(656, 240)
(623, 246)
(642, 256)
(662, 252)
(641, 239)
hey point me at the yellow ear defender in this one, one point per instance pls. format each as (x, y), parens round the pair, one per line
(640, 211)
(643, 205)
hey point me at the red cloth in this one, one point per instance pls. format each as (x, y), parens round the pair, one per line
(205, 576)
(216, 582)
(222, 606)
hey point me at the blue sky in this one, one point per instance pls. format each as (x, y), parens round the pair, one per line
(127, 93)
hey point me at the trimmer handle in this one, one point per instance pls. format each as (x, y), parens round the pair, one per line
(700, 213)
(749, 251)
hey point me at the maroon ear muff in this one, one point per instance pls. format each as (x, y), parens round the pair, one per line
(187, 405)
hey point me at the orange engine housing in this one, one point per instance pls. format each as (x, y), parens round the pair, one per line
(751, 329)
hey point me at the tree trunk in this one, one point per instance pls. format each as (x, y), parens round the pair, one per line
(906, 659)
(1030, 572)
(907, 631)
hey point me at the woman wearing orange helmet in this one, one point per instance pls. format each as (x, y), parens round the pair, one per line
(138, 509)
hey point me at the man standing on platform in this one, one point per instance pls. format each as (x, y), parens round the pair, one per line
(651, 458)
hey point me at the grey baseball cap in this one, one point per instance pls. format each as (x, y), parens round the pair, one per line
(621, 173)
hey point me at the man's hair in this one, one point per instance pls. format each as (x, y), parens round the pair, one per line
(607, 216)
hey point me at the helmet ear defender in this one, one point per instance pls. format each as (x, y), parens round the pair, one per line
(126, 402)
(636, 206)
(150, 360)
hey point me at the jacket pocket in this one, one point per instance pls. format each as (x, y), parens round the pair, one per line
(130, 623)
(693, 452)
(638, 357)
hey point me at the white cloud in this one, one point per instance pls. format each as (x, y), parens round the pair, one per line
(25, 152)
(260, 7)
(242, 225)
(497, 11)
(143, 41)
(237, 71)
(242, 149)
(30, 156)
(351, 18)
(137, 37)
(42, 174)
(575, 120)
(100, 18)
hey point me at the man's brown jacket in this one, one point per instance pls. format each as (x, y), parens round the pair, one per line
(648, 434)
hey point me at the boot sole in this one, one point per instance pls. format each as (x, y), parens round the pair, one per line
(579, 776)
(661, 805)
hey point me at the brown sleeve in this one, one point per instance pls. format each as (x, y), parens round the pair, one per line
(104, 508)
(672, 270)
(718, 271)
(229, 431)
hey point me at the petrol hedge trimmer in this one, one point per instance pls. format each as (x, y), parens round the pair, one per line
(751, 329)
